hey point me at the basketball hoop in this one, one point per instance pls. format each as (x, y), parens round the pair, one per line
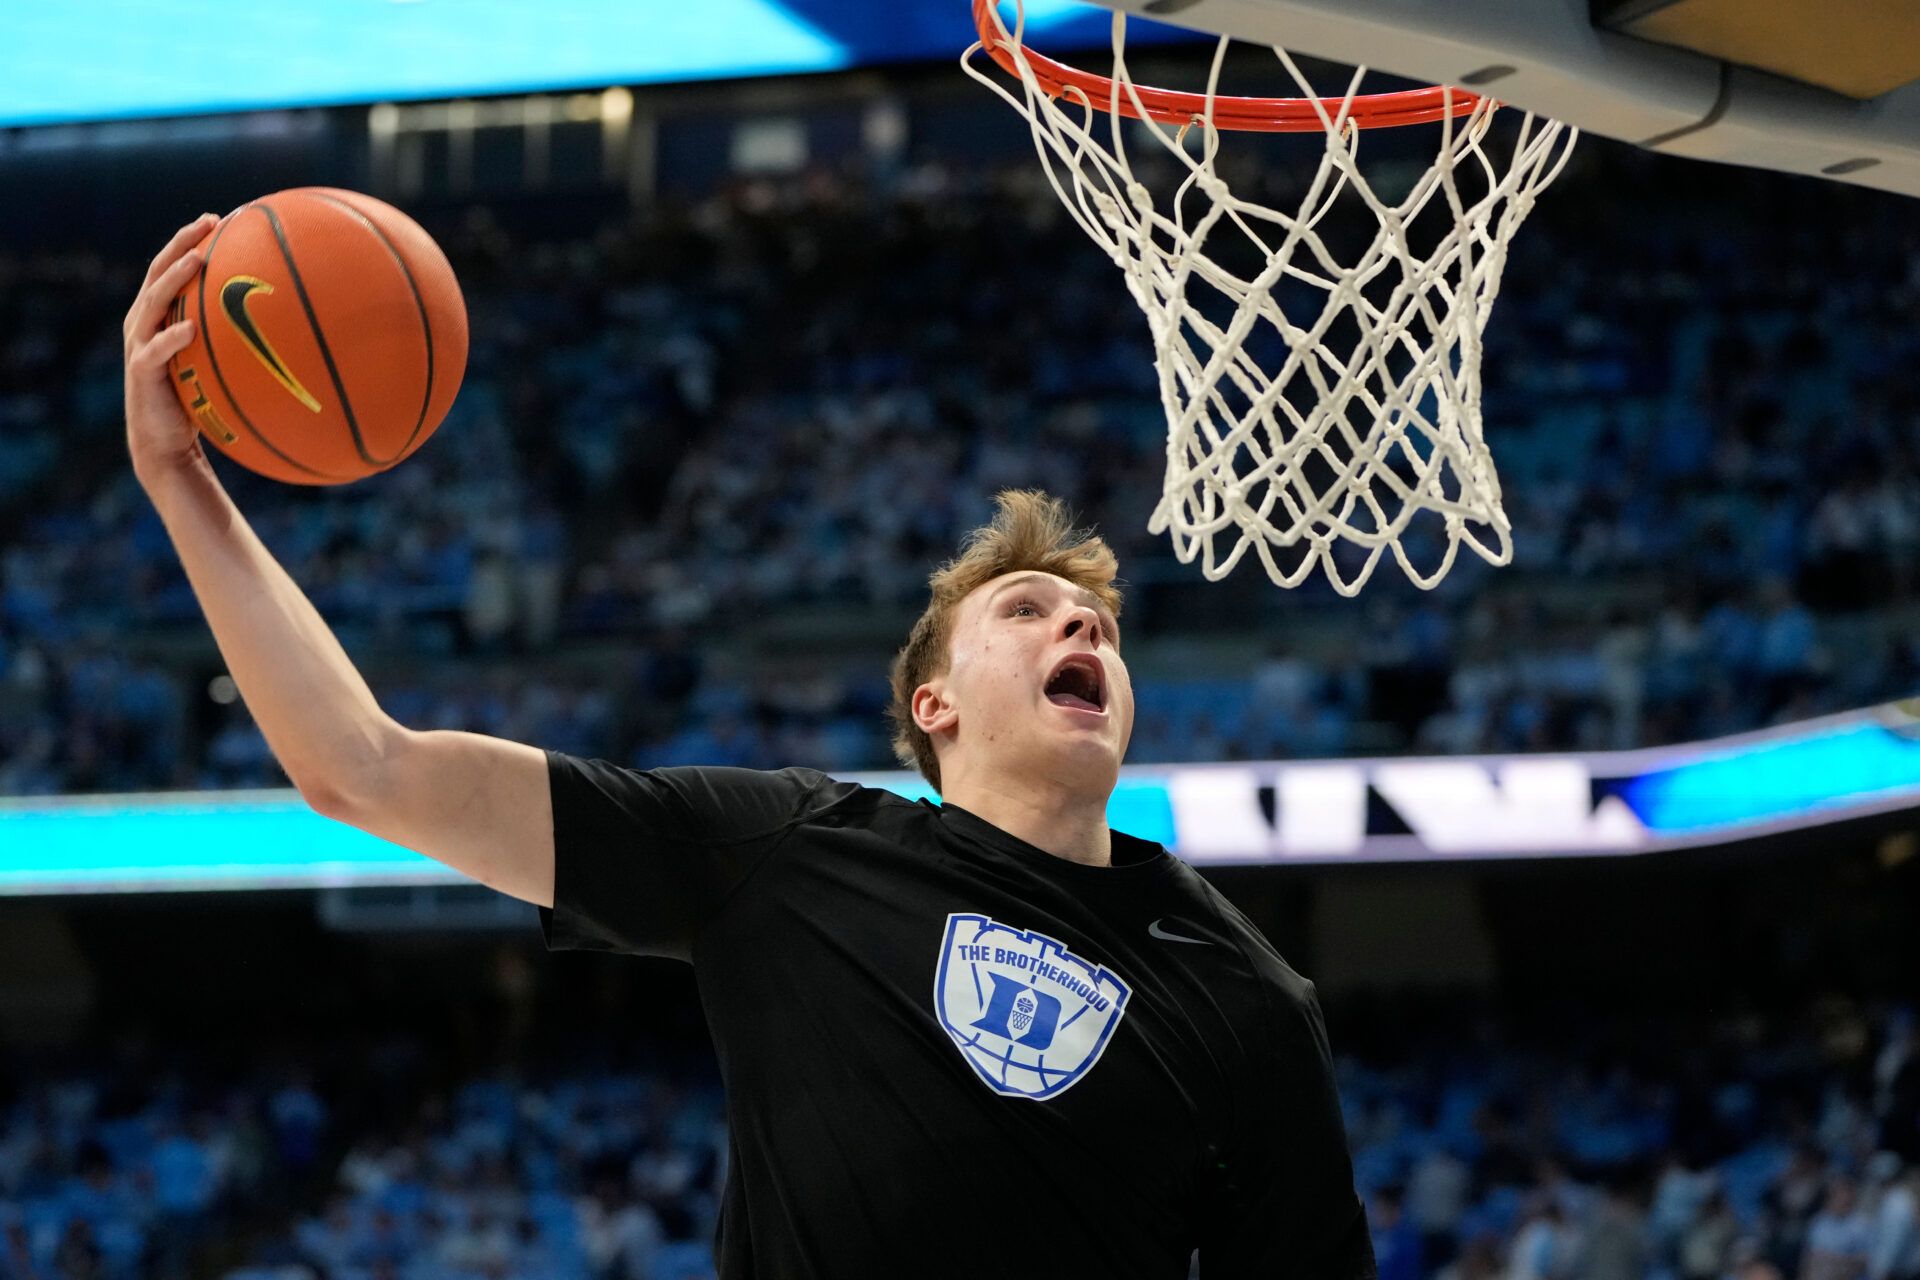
(1372, 415)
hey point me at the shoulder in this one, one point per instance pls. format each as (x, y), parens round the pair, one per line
(723, 802)
(826, 796)
(804, 796)
(799, 794)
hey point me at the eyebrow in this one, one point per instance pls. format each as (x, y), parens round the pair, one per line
(1085, 596)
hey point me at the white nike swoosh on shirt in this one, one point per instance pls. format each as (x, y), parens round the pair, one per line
(1156, 931)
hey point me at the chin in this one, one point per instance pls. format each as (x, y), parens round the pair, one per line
(1089, 760)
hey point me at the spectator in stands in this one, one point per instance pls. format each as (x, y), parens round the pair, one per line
(1896, 1094)
(1479, 1259)
(1613, 1245)
(1840, 1236)
(1397, 1247)
(1893, 1252)
(16, 1252)
(1545, 1245)
(1791, 1203)
(1437, 1197)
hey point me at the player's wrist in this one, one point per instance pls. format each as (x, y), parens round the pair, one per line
(160, 471)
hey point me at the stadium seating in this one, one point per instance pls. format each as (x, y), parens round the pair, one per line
(693, 422)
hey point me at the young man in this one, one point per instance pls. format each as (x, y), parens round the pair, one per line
(990, 1037)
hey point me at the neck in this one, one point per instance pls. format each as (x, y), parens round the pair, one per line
(1066, 823)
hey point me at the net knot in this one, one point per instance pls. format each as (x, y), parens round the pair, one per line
(1110, 213)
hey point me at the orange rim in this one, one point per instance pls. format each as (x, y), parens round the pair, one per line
(1251, 115)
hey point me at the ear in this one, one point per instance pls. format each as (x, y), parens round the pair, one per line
(933, 711)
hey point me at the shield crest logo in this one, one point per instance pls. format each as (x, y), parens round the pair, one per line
(1029, 1016)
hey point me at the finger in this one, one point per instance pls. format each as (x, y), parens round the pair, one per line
(164, 346)
(178, 245)
(150, 308)
(181, 241)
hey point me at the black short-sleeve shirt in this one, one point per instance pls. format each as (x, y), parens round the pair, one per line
(950, 1053)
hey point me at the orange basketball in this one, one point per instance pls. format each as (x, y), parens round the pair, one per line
(329, 336)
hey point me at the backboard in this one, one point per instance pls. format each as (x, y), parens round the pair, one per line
(1681, 77)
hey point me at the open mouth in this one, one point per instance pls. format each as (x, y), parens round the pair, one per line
(1079, 684)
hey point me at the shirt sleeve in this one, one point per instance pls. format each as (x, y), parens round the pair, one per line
(1285, 1207)
(643, 858)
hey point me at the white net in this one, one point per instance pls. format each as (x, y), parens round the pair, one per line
(1315, 406)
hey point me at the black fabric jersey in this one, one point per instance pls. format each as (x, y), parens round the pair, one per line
(949, 1053)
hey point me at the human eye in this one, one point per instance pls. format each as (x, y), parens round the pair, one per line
(1018, 605)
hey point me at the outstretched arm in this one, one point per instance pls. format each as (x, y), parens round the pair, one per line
(480, 805)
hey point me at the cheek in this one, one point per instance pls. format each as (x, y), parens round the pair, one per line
(1006, 671)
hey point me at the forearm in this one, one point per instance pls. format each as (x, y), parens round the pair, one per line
(317, 713)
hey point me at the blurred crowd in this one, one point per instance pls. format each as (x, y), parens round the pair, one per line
(583, 1178)
(1737, 1148)
(801, 392)
(1743, 1149)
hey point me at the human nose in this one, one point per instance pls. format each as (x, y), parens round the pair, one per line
(1075, 618)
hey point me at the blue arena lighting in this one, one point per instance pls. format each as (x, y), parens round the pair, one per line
(1779, 780)
(123, 59)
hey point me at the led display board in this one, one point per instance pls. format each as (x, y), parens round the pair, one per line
(1280, 812)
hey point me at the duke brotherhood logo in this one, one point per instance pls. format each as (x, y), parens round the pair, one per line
(1029, 1016)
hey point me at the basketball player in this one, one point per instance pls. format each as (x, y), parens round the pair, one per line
(987, 1038)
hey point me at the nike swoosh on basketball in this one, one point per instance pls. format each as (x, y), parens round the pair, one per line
(233, 300)
(1156, 931)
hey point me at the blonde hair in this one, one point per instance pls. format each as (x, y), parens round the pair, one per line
(1030, 530)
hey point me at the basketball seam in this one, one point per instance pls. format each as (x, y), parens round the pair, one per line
(213, 363)
(426, 324)
(320, 339)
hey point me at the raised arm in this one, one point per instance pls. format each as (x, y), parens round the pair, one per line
(481, 805)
